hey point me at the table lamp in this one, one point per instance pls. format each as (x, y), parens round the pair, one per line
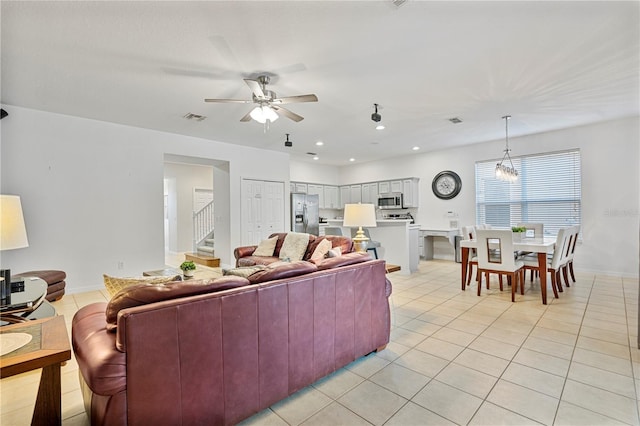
(359, 215)
(13, 234)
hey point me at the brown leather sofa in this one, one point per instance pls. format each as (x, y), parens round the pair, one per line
(219, 357)
(244, 255)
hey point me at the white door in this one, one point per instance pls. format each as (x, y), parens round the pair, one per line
(252, 220)
(273, 205)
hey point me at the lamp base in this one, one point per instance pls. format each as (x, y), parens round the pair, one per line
(360, 241)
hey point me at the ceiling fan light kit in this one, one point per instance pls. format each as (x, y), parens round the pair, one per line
(269, 105)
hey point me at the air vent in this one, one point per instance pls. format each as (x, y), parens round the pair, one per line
(455, 120)
(192, 116)
(398, 3)
(311, 153)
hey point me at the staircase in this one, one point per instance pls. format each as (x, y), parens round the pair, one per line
(203, 238)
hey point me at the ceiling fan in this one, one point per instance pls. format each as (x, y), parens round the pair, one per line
(269, 105)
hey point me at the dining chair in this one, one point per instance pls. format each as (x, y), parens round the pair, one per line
(534, 230)
(496, 255)
(557, 262)
(371, 245)
(469, 233)
(332, 230)
(575, 230)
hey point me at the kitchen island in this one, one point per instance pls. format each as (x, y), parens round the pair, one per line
(398, 239)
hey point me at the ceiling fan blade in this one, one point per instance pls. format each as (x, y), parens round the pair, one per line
(229, 101)
(247, 117)
(255, 88)
(296, 99)
(291, 115)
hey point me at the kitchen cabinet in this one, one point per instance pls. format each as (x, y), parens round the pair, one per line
(317, 190)
(345, 196)
(356, 194)
(396, 185)
(331, 198)
(301, 187)
(411, 191)
(370, 193)
(292, 187)
(384, 187)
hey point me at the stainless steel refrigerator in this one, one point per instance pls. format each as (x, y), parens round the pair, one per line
(305, 211)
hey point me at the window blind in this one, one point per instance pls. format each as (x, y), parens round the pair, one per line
(548, 191)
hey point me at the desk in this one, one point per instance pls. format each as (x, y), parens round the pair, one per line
(534, 245)
(48, 350)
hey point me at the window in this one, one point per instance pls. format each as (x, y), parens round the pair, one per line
(547, 191)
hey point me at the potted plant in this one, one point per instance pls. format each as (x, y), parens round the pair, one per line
(187, 268)
(518, 233)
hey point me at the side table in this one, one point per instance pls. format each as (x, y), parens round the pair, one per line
(48, 349)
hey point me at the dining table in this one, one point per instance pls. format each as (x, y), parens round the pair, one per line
(541, 246)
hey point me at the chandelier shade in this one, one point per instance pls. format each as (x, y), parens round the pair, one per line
(505, 170)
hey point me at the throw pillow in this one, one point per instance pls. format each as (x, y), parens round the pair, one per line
(335, 252)
(244, 271)
(266, 247)
(143, 294)
(294, 246)
(115, 284)
(321, 250)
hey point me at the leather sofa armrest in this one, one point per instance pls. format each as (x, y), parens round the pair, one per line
(244, 251)
(344, 260)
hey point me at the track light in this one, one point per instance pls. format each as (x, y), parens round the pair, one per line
(375, 116)
(288, 143)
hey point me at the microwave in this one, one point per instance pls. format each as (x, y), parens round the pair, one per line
(390, 200)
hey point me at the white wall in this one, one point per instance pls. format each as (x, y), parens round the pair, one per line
(610, 186)
(314, 173)
(187, 177)
(92, 192)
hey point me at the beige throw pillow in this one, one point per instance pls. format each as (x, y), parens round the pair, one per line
(266, 247)
(294, 246)
(244, 271)
(115, 284)
(321, 250)
(335, 252)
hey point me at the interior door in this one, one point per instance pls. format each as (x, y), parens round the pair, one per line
(252, 211)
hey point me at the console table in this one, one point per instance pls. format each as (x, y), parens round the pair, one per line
(48, 349)
(428, 235)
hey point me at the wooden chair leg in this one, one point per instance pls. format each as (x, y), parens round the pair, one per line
(554, 285)
(522, 274)
(565, 275)
(573, 277)
(500, 281)
(514, 286)
(558, 280)
(470, 274)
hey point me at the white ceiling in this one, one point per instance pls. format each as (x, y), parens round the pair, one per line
(550, 65)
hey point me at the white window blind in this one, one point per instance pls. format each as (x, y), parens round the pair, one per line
(547, 191)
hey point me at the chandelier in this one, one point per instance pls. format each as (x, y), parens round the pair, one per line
(505, 171)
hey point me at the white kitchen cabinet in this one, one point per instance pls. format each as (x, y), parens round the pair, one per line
(370, 193)
(411, 191)
(292, 187)
(331, 198)
(317, 190)
(345, 196)
(356, 194)
(384, 187)
(396, 186)
(301, 187)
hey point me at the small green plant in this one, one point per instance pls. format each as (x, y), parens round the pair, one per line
(518, 229)
(187, 266)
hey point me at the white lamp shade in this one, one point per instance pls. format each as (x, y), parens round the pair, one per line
(13, 234)
(359, 215)
(263, 113)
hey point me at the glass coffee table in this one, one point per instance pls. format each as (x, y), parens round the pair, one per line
(26, 302)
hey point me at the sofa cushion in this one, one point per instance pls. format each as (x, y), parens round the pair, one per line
(279, 270)
(244, 271)
(256, 260)
(115, 284)
(145, 293)
(266, 247)
(344, 260)
(321, 250)
(294, 246)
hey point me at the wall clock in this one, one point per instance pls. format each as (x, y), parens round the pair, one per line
(446, 185)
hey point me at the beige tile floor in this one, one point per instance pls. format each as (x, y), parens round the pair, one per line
(454, 358)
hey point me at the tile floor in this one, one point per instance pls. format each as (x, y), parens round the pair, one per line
(454, 358)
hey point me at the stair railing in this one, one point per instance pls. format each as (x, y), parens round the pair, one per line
(202, 224)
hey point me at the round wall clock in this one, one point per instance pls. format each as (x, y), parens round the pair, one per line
(446, 185)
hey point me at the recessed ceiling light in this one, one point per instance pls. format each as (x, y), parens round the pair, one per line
(415, 148)
(319, 143)
(352, 159)
(316, 157)
(380, 127)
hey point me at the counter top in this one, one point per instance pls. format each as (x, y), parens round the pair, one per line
(403, 221)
